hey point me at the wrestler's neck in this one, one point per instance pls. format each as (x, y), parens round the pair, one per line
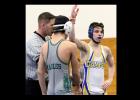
(58, 36)
(93, 44)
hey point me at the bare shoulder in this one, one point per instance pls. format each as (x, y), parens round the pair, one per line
(106, 49)
(44, 46)
(69, 43)
(69, 46)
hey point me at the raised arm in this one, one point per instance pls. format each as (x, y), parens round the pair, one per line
(81, 45)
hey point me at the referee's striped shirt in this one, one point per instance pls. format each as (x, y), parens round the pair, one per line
(33, 46)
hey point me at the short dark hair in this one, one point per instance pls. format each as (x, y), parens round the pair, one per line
(96, 24)
(45, 16)
(60, 20)
(92, 26)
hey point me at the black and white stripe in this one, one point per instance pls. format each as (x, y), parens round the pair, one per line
(33, 46)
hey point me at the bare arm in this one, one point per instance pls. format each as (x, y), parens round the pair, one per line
(80, 44)
(72, 38)
(110, 61)
(41, 73)
(75, 71)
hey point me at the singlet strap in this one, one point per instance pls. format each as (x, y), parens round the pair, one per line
(56, 42)
(57, 52)
(103, 54)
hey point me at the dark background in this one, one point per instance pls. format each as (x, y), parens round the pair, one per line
(13, 44)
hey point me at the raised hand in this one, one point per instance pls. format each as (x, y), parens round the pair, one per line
(74, 11)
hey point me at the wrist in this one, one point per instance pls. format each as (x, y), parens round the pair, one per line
(77, 91)
(110, 79)
(44, 92)
(72, 19)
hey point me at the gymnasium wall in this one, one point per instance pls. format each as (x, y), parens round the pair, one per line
(86, 15)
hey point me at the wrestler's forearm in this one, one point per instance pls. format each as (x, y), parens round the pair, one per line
(41, 78)
(111, 72)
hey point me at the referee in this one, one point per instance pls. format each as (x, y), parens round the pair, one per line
(45, 22)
